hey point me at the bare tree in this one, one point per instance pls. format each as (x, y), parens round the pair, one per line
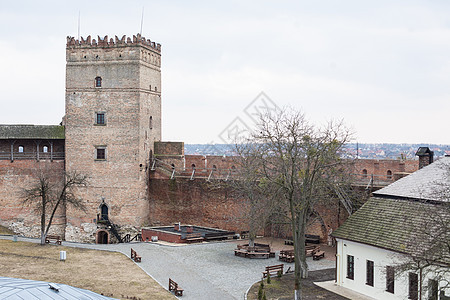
(295, 165)
(46, 196)
(428, 251)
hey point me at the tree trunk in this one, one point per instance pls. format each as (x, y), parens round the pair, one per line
(44, 203)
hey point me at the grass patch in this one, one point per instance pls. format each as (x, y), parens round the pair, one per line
(108, 273)
(4, 230)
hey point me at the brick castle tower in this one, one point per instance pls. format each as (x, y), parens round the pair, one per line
(113, 118)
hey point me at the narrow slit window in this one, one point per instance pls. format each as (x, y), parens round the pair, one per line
(389, 174)
(413, 286)
(151, 123)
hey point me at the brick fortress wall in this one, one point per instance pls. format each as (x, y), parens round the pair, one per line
(18, 175)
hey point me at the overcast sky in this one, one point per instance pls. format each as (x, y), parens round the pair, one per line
(381, 66)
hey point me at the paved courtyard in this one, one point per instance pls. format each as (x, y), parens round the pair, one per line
(204, 271)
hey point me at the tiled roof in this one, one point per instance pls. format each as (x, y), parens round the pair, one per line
(426, 183)
(393, 224)
(49, 132)
(14, 288)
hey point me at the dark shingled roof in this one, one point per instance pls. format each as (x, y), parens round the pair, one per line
(394, 224)
(49, 132)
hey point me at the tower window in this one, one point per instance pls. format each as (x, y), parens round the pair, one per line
(364, 173)
(100, 153)
(151, 123)
(100, 118)
(20, 149)
(98, 81)
(45, 149)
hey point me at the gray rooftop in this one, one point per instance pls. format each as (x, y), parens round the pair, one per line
(14, 288)
(48, 132)
(429, 183)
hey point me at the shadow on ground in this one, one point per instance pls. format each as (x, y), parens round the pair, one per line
(283, 288)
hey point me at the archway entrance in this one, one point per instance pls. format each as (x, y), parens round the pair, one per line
(102, 237)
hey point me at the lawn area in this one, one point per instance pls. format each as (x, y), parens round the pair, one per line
(109, 273)
(4, 230)
(283, 288)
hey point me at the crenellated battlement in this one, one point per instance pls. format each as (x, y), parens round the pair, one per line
(116, 42)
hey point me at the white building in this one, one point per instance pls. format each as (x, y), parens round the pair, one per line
(403, 226)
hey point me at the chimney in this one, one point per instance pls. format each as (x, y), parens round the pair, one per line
(425, 155)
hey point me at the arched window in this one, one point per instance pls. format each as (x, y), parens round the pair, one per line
(193, 166)
(45, 149)
(233, 168)
(151, 123)
(389, 174)
(98, 81)
(214, 167)
(364, 173)
(20, 149)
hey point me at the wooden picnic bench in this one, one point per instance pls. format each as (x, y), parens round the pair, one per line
(273, 270)
(318, 255)
(135, 256)
(173, 287)
(256, 251)
(55, 238)
(287, 255)
(310, 250)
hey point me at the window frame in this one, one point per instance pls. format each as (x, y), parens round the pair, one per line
(21, 149)
(369, 272)
(97, 114)
(98, 82)
(350, 267)
(98, 150)
(390, 279)
(413, 286)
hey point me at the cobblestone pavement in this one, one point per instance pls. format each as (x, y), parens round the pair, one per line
(204, 271)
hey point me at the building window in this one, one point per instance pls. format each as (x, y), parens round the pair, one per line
(20, 149)
(364, 173)
(389, 174)
(98, 81)
(390, 279)
(350, 266)
(100, 118)
(45, 149)
(100, 153)
(193, 166)
(433, 288)
(413, 286)
(369, 273)
(150, 125)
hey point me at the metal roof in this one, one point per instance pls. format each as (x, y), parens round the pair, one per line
(48, 132)
(429, 183)
(15, 288)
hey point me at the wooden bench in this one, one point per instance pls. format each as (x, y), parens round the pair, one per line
(318, 255)
(313, 239)
(193, 238)
(310, 250)
(273, 270)
(55, 238)
(173, 287)
(257, 254)
(240, 252)
(286, 255)
(134, 256)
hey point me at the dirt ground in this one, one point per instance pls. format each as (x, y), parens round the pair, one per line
(283, 288)
(109, 273)
(277, 244)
